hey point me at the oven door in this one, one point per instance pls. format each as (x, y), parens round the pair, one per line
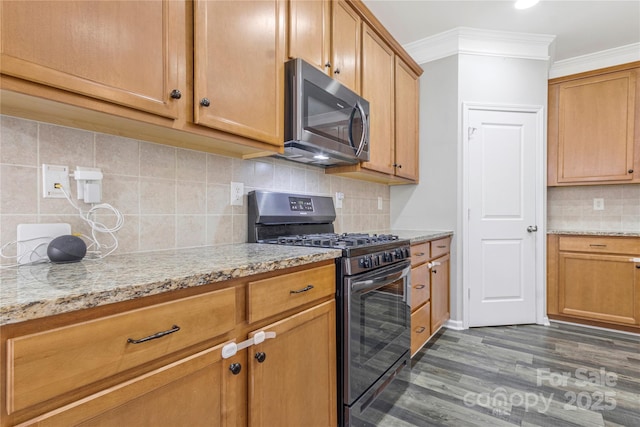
(378, 330)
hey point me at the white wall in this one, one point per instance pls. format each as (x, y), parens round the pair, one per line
(435, 203)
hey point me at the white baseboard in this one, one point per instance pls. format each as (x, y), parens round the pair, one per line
(454, 324)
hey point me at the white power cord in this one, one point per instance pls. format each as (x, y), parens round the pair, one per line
(98, 227)
(19, 258)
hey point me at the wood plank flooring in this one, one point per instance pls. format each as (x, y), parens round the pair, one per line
(528, 375)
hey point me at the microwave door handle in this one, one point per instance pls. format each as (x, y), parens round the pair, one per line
(363, 139)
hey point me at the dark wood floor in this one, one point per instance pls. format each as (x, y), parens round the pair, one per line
(530, 375)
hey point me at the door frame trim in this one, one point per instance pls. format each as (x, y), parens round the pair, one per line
(540, 210)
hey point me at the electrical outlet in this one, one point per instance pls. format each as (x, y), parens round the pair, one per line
(339, 199)
(52, 175)
(379, 203)
(237, 192)
(598, 204)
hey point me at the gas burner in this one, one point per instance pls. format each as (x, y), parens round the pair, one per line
(333, 240)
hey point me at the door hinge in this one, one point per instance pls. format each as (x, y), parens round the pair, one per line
(468, 293)
(471, 131)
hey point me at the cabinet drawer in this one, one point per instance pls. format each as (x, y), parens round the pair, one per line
(47, 364)
(420, 327)
(419, 253)
(616, 245)
(278, 294)
(419, 285)
(440, 247)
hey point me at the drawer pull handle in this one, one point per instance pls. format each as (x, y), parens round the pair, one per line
(420, 330)
(420, 254)
(305, 289)
(593, 245)
(441, 246)
(174, 328)
(419, 286)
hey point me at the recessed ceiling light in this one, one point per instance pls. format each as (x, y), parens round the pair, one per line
(525, 4)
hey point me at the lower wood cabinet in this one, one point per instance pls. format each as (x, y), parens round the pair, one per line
(118, 367)
(290, 376)
(594, 280)
(429, 290)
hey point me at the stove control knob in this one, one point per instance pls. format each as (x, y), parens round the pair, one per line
(367, 262)
(387, 257)
(407, 254)
(398, 254)
(376, 261)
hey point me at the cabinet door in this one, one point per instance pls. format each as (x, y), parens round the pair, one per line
(595, 133)
(194, 391)
(239, 75)
(125, 52)
(345, 45)
(406, 102)
(378, 88)
(599, 287)
(309, 32)
(295, 384)
(439, 293)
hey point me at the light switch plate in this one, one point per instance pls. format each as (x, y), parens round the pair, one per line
(339, 199)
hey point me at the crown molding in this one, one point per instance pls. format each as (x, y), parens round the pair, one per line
(481, 42)
(594, 61)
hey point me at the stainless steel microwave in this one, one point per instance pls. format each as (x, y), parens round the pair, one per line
(326, 123)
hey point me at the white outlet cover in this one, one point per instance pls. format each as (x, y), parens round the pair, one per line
(237, 192)
(52, 174)
(379, 203)
(33, 240)
(598, 204)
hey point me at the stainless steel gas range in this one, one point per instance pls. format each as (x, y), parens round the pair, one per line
(372, 294)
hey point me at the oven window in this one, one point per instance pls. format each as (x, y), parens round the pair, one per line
(379, 333)
(383, 318)
(329, 116)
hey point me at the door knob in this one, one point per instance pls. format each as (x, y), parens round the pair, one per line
(532, 228)
(235, 368)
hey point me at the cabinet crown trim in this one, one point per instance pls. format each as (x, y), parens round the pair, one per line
(481, 42)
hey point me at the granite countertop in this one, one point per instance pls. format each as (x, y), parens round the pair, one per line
(421, 236)
(33, 291)
(595, 233)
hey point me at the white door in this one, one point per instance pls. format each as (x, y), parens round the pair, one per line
(502, 210)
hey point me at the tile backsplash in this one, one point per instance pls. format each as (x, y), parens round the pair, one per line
(170, 197)
(571, 208)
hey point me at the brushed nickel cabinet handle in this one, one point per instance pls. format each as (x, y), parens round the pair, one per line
(593, 245)
(420, 254)
(441, 246)
(420, 330)
(419, 286)
(305, 289)
(174, 328)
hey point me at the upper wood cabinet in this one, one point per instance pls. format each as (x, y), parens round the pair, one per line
(407, 99)
(122, 52)
(345, 45)
(392, 88)
(326, 34)
(239, 75)
(594, 127)
(378, 66)
(310, 32)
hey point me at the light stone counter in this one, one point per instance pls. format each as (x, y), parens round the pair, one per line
(30, 292)
(596, 233)
(421, 236)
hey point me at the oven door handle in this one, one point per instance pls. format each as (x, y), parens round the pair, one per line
(364, 286)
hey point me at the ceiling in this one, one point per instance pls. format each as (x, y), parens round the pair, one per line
(580, 27)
